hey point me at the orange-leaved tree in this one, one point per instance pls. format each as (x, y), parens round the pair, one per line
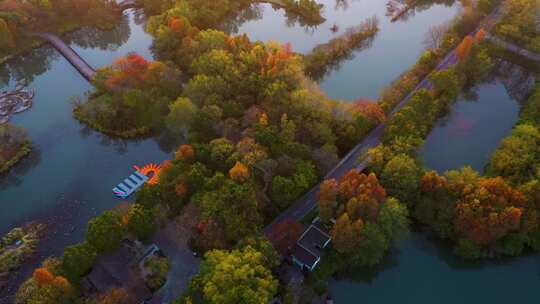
(491, 210)
(371, 110)
(239, 172)
(464, 48)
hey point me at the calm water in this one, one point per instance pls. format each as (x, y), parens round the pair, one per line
(475, 126)
(395, 49)
(422, 271)
(472, 131)
(68, 178)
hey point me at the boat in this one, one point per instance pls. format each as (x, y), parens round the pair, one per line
(148, 174)
(129, 185)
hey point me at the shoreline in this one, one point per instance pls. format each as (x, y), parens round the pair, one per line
(138, 133)
(22, 153)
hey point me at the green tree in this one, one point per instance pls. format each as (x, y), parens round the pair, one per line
(516, 157)
(238, 276)
(78, 260)
(106, 231)
(393, 219)
(182, 112)
(446, 83)
(141, 221)
(400, 178)
(373, 247)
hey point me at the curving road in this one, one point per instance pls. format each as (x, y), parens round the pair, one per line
(307, 203)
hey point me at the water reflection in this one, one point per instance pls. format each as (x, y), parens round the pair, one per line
(38, 61)
(479, 120)
(92, 37)
(517, 79)
(232, 25)
(427, 271)
(26, 67)
(420, 6)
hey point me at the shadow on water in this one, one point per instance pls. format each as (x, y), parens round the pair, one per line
(26, 67)
(427, 242)
(256, 12)
(367, 275)
(422, 5)
(253, 12)
(92, 37)
(165, 141)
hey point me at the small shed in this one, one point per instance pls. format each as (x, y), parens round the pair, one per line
(307, 251)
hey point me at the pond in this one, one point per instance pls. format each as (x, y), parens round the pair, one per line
(475, 126)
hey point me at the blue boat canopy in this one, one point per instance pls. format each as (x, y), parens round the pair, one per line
(130, 185)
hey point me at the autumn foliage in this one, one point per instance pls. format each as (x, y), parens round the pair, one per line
(275, 60)
(490, 211)
(480, 35)
(357, 194)
(42, 276)
(239, 172)
(464, 48)
(127, 72)
(115, 296)
(185, 153)
(49, 288)
(371, 110)
(361, 186)
(480, 213)
(181, 189)
(176, 24)
(284, 235)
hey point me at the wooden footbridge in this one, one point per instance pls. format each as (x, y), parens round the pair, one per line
(83, 67)
(76, 61)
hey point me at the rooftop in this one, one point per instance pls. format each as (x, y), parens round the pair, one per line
(314, 239)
